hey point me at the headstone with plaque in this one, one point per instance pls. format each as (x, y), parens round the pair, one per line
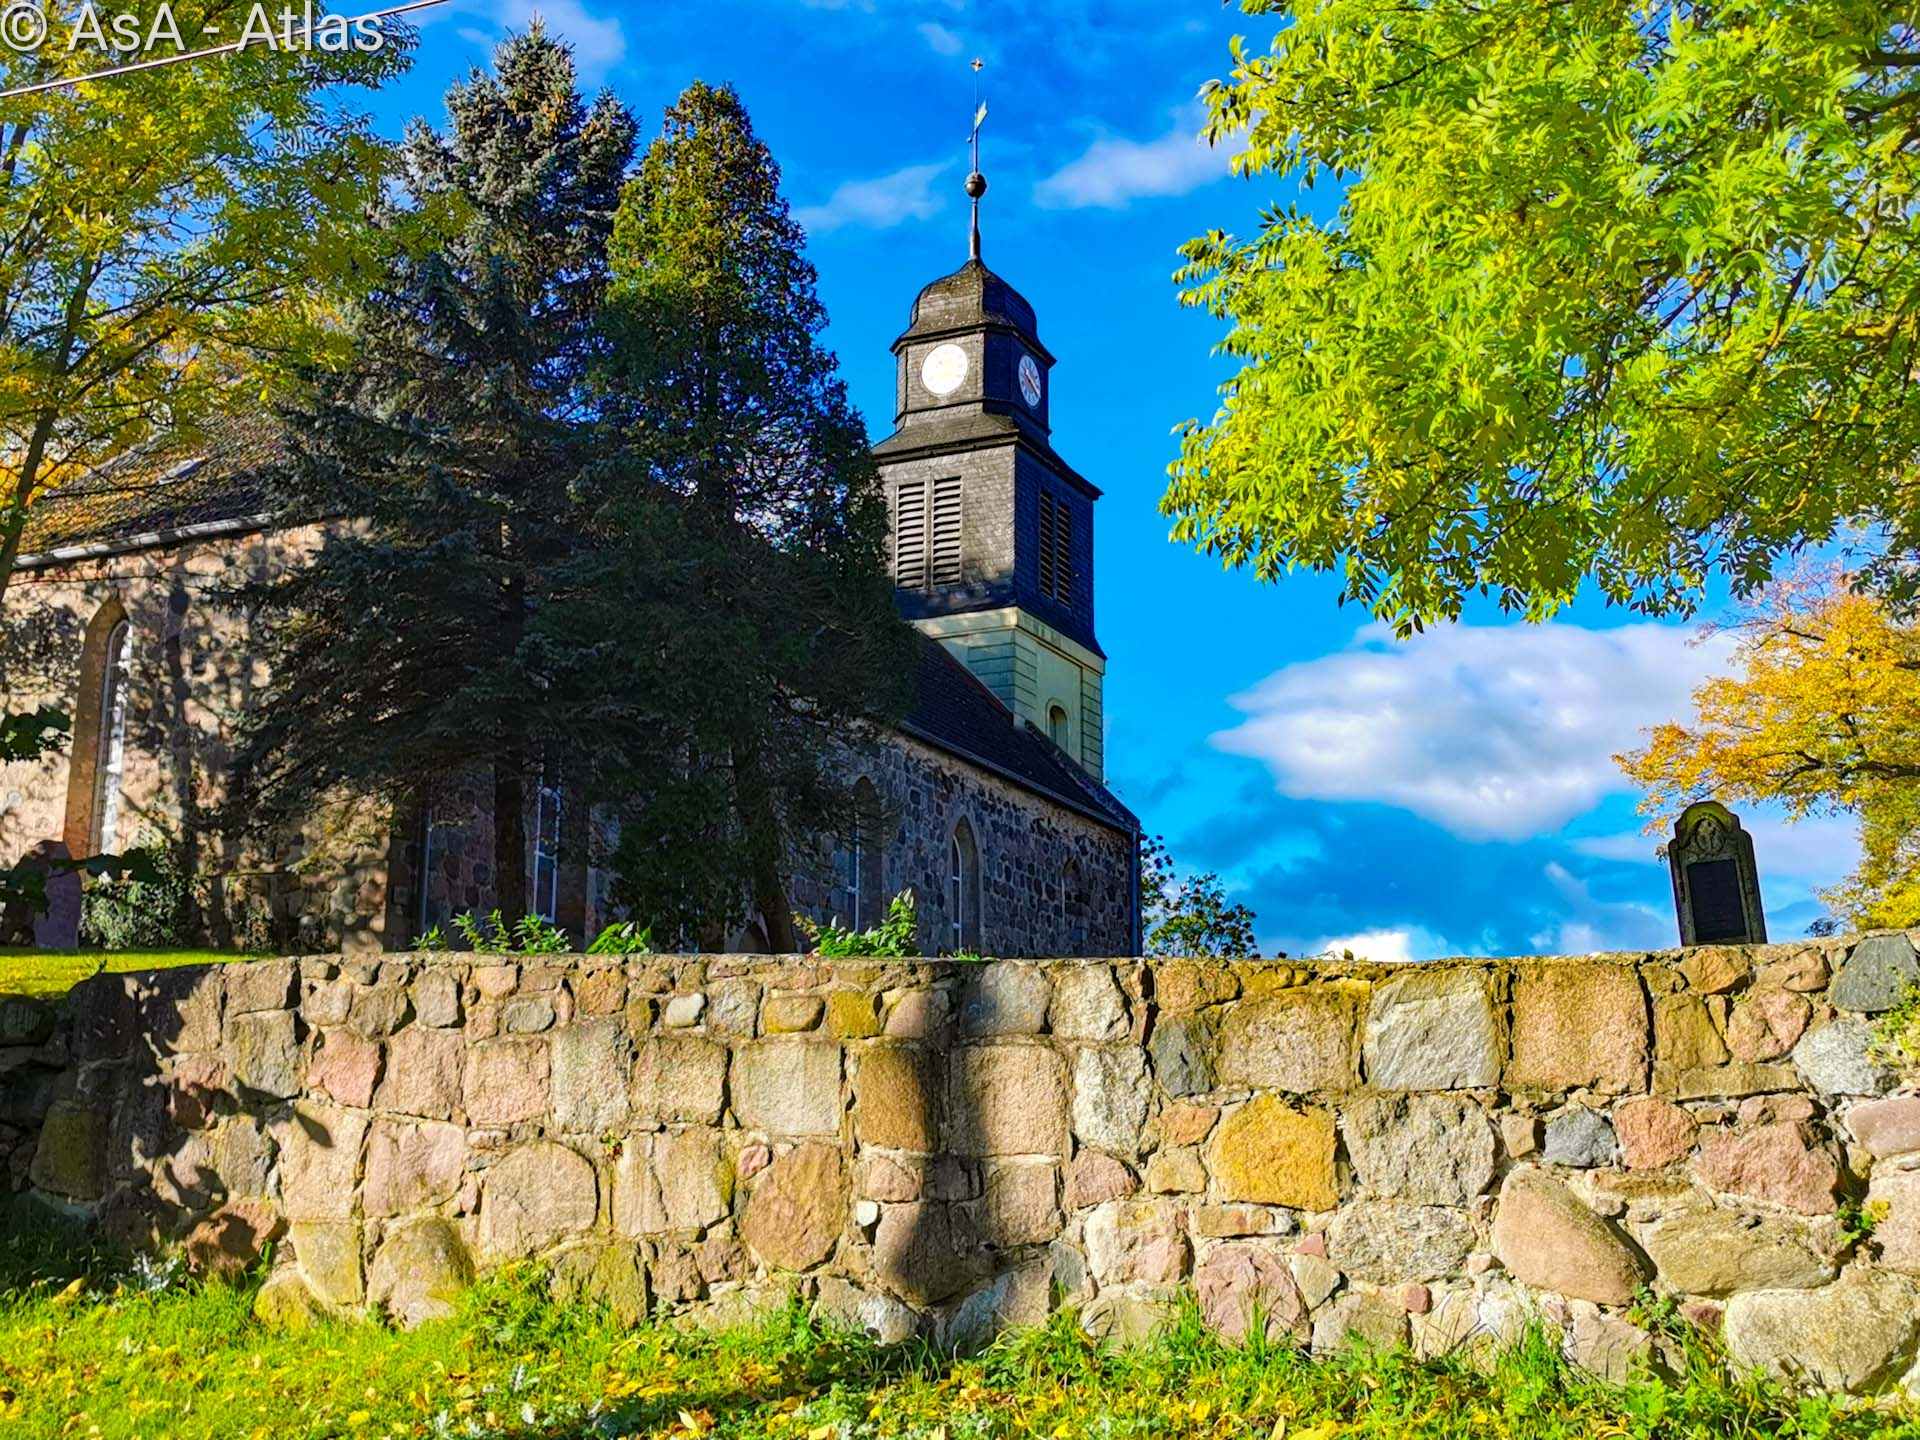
(1716, 887)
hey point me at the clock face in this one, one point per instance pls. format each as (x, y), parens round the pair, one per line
(1030, 381)
(944, 369)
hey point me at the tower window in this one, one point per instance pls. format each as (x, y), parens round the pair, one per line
(927, 533)
(1056, 549)
(1057, 725)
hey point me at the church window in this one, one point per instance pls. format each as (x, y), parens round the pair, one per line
(546, 850)
(963, 890)
(110, 766)
(1056, 549)
(863, 876)
(1057, 725)
(434, 907)
(1076, 909)
(927, 533)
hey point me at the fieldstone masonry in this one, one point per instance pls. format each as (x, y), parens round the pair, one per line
(1425, 1155)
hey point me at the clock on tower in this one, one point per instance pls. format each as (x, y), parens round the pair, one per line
(992, 543)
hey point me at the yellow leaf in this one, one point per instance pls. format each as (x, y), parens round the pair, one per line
(358, 1418)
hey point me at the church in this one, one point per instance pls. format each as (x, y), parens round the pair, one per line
(987, 800)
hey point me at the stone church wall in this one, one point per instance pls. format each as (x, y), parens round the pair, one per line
(1427, 1154)
(1052, 882)
(191, 674)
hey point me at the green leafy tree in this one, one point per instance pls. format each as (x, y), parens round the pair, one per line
(162, 230)
(1620, 292)
(1191, 916)
(157, 233)
(754, 533)
(410, 647)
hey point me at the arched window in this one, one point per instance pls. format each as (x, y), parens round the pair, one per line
(963, 889)
(546, 848)
(111, 766)
(97, 771)
(864, 878)
(1076, 909)
(1058, 725)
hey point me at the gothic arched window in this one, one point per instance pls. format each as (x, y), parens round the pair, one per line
(963, 889)
(110, 768)
(97, 774)
(864, 876)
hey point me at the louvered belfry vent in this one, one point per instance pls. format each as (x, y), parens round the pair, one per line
(910, 537)
(927, 534)
(1056, 549)
(945, 531)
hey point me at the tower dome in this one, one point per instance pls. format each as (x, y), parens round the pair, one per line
(971, 298)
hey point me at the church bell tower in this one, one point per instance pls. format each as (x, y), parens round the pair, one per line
(992, 544)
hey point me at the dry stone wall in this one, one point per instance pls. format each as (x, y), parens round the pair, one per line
(1429, 1155)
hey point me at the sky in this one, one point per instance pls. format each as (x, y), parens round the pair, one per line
(1450, 795)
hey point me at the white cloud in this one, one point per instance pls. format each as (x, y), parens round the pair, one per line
(1388, 946)
(879, 203)
(1590, 924)
(939, 38)
(1114, 171)
(1494, 732)
(598, 43)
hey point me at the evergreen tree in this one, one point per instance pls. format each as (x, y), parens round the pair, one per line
(408, 649)
(768, 578)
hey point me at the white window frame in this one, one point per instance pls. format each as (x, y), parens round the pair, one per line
(956, 890)
(110, 760)
(548, 816)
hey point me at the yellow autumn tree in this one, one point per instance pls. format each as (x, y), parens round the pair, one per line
(163, 232)
(1821, 714)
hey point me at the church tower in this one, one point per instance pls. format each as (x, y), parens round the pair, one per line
(992, 544)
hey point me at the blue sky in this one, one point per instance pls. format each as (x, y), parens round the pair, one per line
(1453, 795)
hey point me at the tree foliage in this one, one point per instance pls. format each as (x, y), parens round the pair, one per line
(1821, 714)
(160, 232)
(1191, 916)
(412, 648)
(754, 555)
(1621, 292)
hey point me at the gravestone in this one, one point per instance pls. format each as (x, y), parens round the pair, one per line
(1716, 888)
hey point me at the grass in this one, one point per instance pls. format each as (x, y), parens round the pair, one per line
(90, 1348)
(49, 973)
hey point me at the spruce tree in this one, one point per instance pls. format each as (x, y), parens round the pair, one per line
(407, 648)
(772, 561)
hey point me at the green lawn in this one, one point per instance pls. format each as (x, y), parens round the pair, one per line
(54, 972)
(89, 1348)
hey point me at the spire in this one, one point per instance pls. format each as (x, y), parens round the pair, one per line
(976, 182)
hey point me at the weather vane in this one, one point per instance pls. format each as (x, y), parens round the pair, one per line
(976, 182)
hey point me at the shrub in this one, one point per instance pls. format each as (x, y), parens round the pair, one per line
(893, 938)
(626, 938)
(153, 911)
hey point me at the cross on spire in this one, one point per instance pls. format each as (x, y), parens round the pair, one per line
(976, 182)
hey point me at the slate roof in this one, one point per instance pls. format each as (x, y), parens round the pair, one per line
(953, 711)
(160, 489)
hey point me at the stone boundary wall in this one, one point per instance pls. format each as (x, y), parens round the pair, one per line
(1428, 1154)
